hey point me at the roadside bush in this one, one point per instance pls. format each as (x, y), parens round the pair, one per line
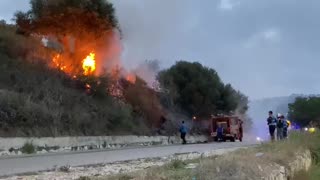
(65, 168)
(177, 164)
(28, 148)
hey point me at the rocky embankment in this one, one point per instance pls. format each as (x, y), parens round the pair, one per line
(302, 161)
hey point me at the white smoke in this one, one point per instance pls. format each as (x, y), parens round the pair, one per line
(259, 109)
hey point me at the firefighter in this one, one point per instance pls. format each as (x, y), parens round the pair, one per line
(272, 122)
(280, 126)
(289, 123)
(285, 127)
(220, 132)
(183, 132)
(240, 130)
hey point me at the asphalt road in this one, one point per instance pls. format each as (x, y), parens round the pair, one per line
(26, 164)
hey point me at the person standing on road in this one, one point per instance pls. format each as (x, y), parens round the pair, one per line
(183, 132)
(272, 122)
(285, 127)
(280, 125)
(220, 133)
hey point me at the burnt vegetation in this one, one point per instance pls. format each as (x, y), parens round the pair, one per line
(37, 99)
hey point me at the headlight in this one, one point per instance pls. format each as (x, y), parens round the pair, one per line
(259, 139)
(306, 129)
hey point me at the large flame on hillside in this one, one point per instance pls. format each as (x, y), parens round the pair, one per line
(57, 61)
(64, 64)
(89, 64)
(131, 78)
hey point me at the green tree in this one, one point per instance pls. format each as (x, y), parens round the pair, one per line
(232, 100)
(61, 17)
(198, 90)
(305, 110)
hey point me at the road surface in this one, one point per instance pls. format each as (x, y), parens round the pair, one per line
(25, 164)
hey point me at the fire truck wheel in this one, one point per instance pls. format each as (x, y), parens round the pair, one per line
(232, 139)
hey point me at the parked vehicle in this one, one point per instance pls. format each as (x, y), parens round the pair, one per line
(232, 128)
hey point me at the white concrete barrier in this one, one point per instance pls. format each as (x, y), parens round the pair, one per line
(91, 142)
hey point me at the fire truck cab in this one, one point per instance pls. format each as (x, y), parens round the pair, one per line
(232, 128)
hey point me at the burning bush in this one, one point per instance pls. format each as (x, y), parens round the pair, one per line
(83, 34)
(37, 100)
(75, 45)
(145, 102)
(81, 37)
(80, 43)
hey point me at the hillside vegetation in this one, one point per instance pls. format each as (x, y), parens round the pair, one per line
(39, 97)
(39, 101)
(305, 111)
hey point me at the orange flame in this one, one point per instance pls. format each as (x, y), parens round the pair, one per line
(57, 61)
(131, 78)
(89, 64)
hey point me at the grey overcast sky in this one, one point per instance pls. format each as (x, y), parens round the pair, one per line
(264, 48)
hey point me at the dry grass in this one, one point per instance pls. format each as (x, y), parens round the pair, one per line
(252, 163)
(312, 174)
(174, 170)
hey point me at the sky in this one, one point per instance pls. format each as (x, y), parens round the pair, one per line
(264, 48)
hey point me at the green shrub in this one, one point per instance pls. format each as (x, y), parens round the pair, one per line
(177, 164)
(84, 178)
(28, 148)
(104, 145)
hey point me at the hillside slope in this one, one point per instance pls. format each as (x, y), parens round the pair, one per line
(38, 101)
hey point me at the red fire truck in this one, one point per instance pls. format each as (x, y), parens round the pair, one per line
(232, 127)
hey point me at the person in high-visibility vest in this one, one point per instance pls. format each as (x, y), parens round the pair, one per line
(285, 127)
(289, 123)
